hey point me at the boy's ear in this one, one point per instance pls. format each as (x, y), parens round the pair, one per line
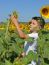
(40, 27)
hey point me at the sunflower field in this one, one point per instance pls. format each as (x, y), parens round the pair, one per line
(11, 45)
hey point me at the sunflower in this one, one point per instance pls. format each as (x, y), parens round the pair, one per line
(44, 11)
(46, 26)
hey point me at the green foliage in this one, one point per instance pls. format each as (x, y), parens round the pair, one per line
(27, 59)
(11, 47)
(7, 62)
(43, 47)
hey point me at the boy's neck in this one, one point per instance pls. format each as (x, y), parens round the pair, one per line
(34, 31)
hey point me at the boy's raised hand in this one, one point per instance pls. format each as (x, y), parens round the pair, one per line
(14, 20)
(12, 17)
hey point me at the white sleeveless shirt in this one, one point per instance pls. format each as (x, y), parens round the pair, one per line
(31, 46)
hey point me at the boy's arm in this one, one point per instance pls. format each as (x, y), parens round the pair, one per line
(15, 21)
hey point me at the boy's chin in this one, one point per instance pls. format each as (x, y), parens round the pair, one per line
(31, 30)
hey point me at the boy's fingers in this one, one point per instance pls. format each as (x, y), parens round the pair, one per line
(10, 15)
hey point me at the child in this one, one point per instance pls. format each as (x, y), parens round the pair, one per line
(36, 24)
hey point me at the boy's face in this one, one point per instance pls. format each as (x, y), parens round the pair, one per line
(34, 24)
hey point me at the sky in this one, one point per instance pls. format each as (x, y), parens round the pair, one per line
(25, 8)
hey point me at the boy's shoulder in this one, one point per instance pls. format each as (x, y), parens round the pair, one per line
(33, 34)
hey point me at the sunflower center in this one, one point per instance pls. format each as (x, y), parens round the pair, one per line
(45, 11)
